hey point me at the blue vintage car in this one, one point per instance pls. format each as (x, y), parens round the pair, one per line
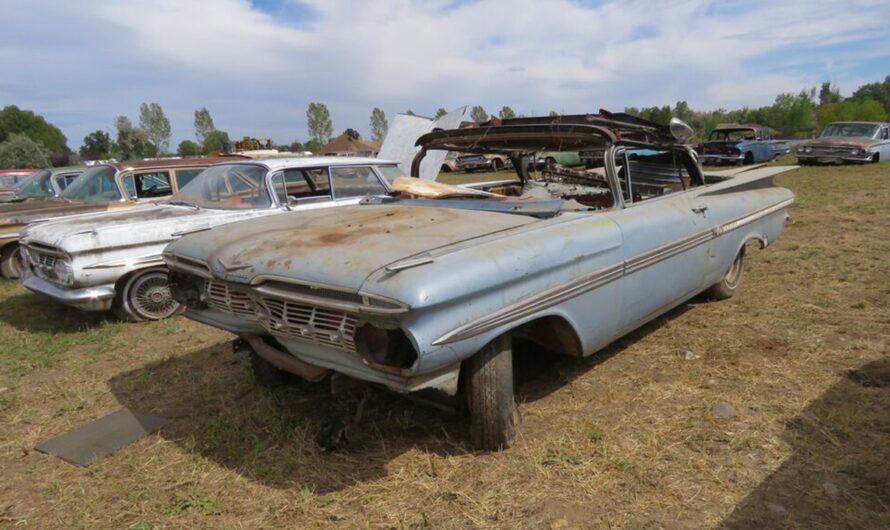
(431, 286)
(733, 143)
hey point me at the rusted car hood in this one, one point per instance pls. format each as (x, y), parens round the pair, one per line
(340, 246)
(839, 141)
(146, 224)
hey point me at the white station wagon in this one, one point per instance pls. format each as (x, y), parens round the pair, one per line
(112, 260)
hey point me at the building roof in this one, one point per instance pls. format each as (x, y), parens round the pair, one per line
(346, 144)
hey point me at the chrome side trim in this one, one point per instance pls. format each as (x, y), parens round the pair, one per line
(533, 304)
(742, 221)
(569, 290)
(153, 259)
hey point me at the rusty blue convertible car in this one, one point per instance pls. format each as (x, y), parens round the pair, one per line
(431, 286)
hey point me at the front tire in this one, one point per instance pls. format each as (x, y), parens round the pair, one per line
(10, 262)
(497, 165)
(749, 158)
(494, 415)
(146, 296)
(731, 281)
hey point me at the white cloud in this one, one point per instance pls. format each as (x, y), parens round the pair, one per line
(95, 59)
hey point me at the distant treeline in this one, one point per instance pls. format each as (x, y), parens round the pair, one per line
(793, 115)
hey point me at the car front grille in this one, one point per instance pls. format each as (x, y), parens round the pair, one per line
(834, 150)
(223, 298)
(308, 323)
(44, 260)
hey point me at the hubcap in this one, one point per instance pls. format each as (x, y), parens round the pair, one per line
(150, 296)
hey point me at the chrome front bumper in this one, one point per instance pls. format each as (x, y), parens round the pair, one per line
(834, 159)
(722, 158)
(97, 298)
(225, 321)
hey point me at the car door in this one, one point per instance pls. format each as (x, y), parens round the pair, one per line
(665, 232)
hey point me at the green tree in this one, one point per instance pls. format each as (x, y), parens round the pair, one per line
(203, 124)
(828, 94)
(296, 146)
(379, 125)
(478, 114)
(313, 146)
(156, 126)
(19, 151)
(188, 148)
(441, 112)
(352, 133)
(553, 114)
(318, 120)
(850, 110)
(96, 145)
(15, 120)
(215, 140)
(506, 113)
(132, 142)
(879, 92)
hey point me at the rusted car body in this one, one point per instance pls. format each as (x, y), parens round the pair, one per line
(733, 143)
(470, 162)
(44, 183)
(855, 142)
(112, 260)
(416, 293)
(99, 188)
(10, 177)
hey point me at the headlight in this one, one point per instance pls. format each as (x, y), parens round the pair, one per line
(385, 348)
(805, 149)
(63, 271)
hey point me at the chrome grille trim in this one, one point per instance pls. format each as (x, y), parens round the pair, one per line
(309, 323)
(221, 297)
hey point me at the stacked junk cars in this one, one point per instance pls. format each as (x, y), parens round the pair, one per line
(333, 267)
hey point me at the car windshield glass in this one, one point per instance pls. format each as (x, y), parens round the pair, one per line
(850, 130)
(36, 185)
(732, 135)
(96, 184)
(227, 187)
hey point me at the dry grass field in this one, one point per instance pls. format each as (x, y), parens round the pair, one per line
(624, 439)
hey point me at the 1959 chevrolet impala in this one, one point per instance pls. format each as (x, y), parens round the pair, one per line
(429, 287)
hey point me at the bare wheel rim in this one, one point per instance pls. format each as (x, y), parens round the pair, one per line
(734, 275)
(150, 296)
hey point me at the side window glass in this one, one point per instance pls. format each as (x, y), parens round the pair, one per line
(318, 180)
(130, 186)
(184, 176)
(307, 183)
(279, 188)
(153, 184)
(646, 173)
(61, 182)
(355, 182)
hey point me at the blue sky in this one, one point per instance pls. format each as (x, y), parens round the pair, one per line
(256, 64)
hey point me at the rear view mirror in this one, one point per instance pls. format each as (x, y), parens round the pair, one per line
(680, 130)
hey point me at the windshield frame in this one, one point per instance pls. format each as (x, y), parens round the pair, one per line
(726, 132)
(39, 174)
(81, 180)
(185, 197)
(875, 129)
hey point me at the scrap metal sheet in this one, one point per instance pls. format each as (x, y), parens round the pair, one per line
(403, 132)
(102, 437)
